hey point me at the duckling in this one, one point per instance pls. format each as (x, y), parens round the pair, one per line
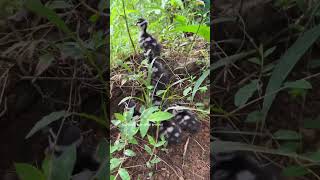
(171, 131)
(149, 44)
(71, 134)
(239, 166)
(160, 76)
(185, 118)
(187, 121)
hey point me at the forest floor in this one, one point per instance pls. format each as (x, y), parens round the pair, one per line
(42, 70)
(294, 112)
(191, 158)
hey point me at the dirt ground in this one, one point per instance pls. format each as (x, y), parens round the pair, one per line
(189, 160)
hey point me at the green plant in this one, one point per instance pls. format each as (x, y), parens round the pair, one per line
(158, 15)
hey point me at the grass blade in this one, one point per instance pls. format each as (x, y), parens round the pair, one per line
(37, 7)
(286, 64)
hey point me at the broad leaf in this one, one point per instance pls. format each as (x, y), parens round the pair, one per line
(286, 64)
(28, 172)
(244, 93)
(46, 120)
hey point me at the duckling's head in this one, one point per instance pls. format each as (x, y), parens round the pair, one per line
(142, 23)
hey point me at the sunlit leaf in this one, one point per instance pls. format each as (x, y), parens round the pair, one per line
(28, 172)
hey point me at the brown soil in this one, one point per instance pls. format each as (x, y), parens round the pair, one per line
(189, 160)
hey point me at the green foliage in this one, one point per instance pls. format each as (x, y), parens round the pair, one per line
(167, 20)
(37, 7)
(244, 93)
(9, 7)
(295, 171)
(287, 62)
(46, 120)
(286, 135)
(199, 82)
(62, 166)
(28, 172)
(52, 167)
(128, 130)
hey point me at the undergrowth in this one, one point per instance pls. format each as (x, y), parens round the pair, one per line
(169, 21)
(261, 75)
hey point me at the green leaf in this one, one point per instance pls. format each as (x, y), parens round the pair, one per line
(28, 172)
(124, 174)
(94, 118)
(58, 4)
(116, 122)
(160, 92)
(46, 120)
(133, 140)
(115, 162)
(144, 123)
(118, 145)
(315, 63)
(202, 30)
(155, 160)
(44, 62)
(199, 82)
(71, 49)
(186, 91)
(102, 150)
(289, 147)
(295, 171)
(311, 123)
(160, 143)
(46, 166)
(182, 20)
(269, 51)
(103, 171)
(230, 59)
(286, 135)
(62, 166)
(255, 60)
(244, 93)
(299, 84)
(160, 116)
(129, 152)
(151, 140)
(128, 129)
(286, 63)
(128, 114)
(254, 117)
(94, 18)
(36, 7)
(315, 156)
(148, 149)
(224, 146)
(120, 117)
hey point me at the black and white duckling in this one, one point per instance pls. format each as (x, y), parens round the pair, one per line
(160, 75)
(171, 131)
(71, 134)
(148, 43)
(239, 166)
(185, 118)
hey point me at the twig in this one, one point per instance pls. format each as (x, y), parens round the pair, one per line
(94, 10)
(127, 26)
(185, 150)
(58, 78)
